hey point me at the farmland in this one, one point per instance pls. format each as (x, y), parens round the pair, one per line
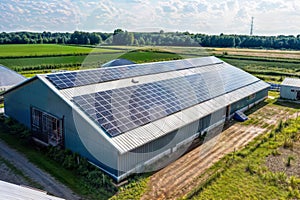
(269, 65)
(23, 50)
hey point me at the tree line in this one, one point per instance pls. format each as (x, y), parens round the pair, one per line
(122, 37)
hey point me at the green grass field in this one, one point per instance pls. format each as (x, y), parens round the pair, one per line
(150, 55)
(20, 50)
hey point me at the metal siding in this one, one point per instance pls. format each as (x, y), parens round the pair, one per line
(286, 93)
(245, 101)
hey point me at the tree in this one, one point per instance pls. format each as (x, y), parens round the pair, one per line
(95, 39)
(40, 40)
(142, 41)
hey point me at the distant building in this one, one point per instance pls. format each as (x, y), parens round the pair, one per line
(124, 118)
(290, 89)
(118, 62)
(9, 78)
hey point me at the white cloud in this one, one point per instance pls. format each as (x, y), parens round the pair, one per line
(206, 16)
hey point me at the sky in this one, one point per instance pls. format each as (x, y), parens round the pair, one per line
(271, 17)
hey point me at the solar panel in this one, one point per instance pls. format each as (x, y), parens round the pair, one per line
(80, 78)
(120, 110)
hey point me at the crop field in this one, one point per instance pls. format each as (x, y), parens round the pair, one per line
(269, 65)
(256, 52)
(268, 70)
(150, 55)
(21, 64)
(25, 50)
(29, 60)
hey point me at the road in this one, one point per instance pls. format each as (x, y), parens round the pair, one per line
(49, 184)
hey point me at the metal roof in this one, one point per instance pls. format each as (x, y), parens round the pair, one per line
(12, 191)
(217, 75)
(118, 62)
(9, 78)
(295, 82)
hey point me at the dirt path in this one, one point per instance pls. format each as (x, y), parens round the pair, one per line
(50, 185)
(180, 177)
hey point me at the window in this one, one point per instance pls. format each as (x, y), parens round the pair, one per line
(36, 119)
(46, 127)
(292, 90)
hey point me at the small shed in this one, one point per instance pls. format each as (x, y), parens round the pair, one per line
(290, 89)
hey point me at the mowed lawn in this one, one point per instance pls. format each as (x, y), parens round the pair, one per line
(19, 50)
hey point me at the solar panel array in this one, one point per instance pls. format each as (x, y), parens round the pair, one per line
(123, 109)
(80, 78)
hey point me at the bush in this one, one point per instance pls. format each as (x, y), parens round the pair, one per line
(93, 177)
(275, 152)
(289, 160)
(275, 178)
(279, 128)
(288, 143)
(250, 168)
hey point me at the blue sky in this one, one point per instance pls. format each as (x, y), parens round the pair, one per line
(271, 17)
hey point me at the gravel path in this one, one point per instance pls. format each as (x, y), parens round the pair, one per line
(8, 175)
(50, 185)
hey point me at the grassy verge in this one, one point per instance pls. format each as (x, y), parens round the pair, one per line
(244, 175)
(134, 190)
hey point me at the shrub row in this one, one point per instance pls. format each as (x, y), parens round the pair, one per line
(49, 66)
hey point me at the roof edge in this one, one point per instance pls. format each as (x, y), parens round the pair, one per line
(21, 84)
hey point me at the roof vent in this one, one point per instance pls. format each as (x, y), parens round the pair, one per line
(134, 81)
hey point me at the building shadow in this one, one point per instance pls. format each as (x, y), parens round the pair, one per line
(287, 103)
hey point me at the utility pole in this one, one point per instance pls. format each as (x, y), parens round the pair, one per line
(251, 28)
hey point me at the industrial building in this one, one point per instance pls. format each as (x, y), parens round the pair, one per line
(290, 89)
(125, 118)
